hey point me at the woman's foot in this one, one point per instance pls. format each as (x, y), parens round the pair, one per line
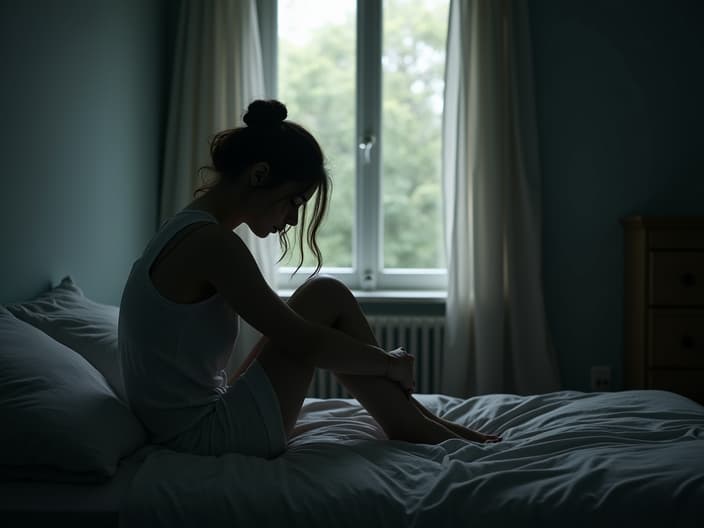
(425, 431)
(459, 430)
(434, 430)
(469, 434)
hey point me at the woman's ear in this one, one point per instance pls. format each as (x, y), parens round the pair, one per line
(259, 174)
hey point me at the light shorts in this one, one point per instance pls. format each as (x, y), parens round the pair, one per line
(247, 420)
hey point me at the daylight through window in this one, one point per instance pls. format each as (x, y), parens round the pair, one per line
(367, 80)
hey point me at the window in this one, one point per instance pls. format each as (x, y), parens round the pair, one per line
(367, 79)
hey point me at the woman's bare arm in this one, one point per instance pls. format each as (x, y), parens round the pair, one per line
(224, 261)
(248, 360)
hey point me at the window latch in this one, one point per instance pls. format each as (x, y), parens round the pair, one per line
(366, 147)
(368, 280)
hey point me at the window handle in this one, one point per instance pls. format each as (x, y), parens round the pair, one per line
(368, 281)
(366, 147)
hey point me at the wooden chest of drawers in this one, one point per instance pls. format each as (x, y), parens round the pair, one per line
(664, 304)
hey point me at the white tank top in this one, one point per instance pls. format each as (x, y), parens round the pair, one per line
(173, 355)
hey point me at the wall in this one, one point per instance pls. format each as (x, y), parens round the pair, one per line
(619, 99)
(82, 107)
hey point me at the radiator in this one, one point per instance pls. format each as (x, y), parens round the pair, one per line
(421, 336)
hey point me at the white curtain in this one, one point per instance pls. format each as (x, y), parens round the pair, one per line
(217, 72)
(496, 336)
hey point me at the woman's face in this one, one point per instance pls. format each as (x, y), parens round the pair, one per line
(278, 207)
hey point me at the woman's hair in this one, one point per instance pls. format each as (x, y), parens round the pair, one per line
(292, 153)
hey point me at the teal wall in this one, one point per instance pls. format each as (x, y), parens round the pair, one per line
(620, 91)
(81, 101)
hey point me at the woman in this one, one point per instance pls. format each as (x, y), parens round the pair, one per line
(180, 307)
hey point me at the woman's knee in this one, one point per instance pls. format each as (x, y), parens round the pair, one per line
(324, 287)
(322, 299)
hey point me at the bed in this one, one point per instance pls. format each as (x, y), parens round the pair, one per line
(632, 458)
(72, 452)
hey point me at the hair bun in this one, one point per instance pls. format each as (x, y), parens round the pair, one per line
(265, 114)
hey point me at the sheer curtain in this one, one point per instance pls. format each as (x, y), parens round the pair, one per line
(217, 72)
(496, 336)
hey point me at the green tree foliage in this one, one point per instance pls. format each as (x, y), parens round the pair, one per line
(317, 83)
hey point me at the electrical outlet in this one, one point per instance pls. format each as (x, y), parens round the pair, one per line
(601, 378)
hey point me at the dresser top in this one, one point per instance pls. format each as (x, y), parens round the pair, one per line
(669, 222)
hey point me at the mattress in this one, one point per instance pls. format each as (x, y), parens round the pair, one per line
(41, 503)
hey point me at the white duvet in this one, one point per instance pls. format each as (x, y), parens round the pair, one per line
(633, 458)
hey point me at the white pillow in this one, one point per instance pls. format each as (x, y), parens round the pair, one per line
(88, 327)
(56, 410)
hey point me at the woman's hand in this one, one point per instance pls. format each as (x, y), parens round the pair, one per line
(400, 368)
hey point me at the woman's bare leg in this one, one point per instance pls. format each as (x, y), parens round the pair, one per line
(354, 323)
(327, 301)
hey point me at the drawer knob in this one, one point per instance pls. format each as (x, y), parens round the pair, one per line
(687, 342)
(688, 279)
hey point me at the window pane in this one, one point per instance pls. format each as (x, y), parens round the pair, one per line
(317, 64)
(413, 68)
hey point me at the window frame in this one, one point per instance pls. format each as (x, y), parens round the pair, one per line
(368, 273)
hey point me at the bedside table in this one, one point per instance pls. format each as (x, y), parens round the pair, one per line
(664, 304)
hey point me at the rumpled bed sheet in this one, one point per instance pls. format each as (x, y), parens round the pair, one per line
(631, 458)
